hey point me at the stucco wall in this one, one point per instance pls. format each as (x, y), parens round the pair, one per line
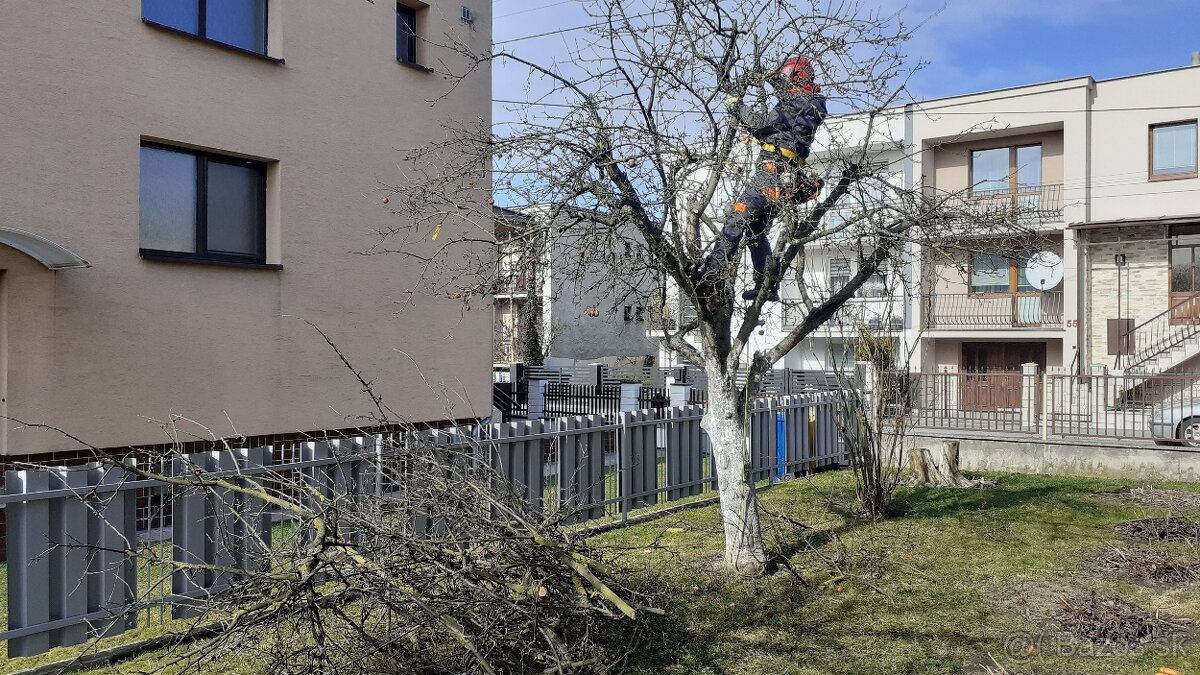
(1120, 149)
(102, 351)
(952, 161)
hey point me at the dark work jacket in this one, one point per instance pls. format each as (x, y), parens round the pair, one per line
(791, 124)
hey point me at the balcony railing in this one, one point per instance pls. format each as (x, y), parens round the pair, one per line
(1031, 205)
(969, 310)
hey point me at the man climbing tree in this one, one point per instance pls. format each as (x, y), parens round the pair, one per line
(785, 136)
(624, 140)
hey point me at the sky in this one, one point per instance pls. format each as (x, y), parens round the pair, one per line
(970, 45)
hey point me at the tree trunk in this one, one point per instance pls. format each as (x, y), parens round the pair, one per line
(744, 552)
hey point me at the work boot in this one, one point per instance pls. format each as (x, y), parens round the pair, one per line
(751, 294)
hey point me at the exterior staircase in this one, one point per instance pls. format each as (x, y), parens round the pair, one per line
(1163, 343)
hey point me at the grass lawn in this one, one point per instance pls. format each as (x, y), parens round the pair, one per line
(933, 590)
(956, 576)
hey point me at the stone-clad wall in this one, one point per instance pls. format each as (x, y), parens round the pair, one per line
(1145, 284)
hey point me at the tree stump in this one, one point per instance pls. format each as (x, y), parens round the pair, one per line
(928, 472)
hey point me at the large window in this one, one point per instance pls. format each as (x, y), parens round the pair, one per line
(406, 34)
(1173, 150)
(240, 23)
(995, 273)
(202, 206)
(1004, 171)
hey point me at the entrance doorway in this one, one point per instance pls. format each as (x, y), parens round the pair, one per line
(993, 373)
(1185, 274)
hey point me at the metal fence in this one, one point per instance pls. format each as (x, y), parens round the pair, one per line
(71, 576)
(990, 401)
(1129, 406)
(563, 399)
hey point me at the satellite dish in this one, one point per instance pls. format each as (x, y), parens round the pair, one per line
(1044, 270)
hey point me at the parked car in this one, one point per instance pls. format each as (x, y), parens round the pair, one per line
(1178, 422)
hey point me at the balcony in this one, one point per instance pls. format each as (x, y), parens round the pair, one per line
(1030, 205)
(876, 314)
(968, 311)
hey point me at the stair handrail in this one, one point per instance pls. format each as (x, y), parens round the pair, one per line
(1160, 334)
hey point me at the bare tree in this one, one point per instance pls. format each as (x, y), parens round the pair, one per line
(627, 145)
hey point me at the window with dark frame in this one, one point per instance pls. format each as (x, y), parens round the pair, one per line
(238, 23)
(1184, 252)
(201, 206)
(406, 34)
(1173, 150)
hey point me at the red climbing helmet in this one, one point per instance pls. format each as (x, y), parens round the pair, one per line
(797, 71)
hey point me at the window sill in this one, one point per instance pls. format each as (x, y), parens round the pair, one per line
(1173, 176)
(216, 43)
(167, 256)
(414, 66)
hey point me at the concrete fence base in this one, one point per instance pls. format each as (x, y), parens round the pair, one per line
(1086, 458)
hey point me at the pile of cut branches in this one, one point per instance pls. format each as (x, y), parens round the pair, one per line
(1171, 528)
(444, 569)
(1117, 622)
(1148, 564)
(1157, 498)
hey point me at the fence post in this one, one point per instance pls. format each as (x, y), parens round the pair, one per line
(1046, 403)
(625, 466)
(597, 374)
(1029, 396)
(680, 395)
(28, 569)
(631, 393)
(537, 400)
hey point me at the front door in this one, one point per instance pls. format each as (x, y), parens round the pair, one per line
(993, 373)
(1185, 274)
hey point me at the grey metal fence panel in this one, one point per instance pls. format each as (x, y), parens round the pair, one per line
(762, 438)
(112, 573)
(685, 459)
(655, 455)
(28, 538)
(639, 460)
(519, 457)
(581, 467)
(68, 561)
(68, 575)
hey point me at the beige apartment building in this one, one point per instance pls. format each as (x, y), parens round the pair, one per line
(1102, 175)
(185, 183)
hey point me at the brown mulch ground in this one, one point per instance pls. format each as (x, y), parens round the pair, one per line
(1160, 529)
